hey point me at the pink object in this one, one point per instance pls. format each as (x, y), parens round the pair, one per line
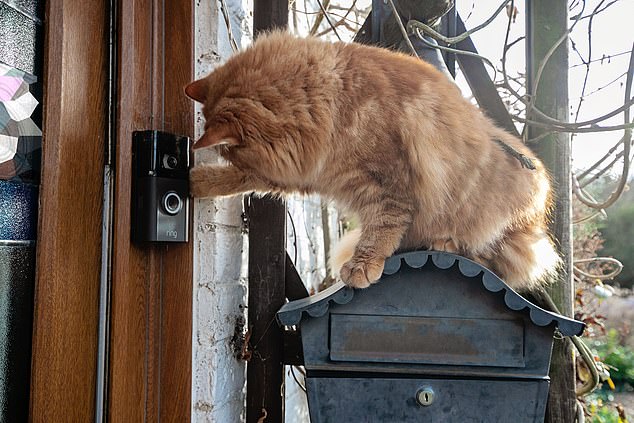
(9, 85)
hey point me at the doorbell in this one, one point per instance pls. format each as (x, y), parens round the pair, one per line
(160, 187)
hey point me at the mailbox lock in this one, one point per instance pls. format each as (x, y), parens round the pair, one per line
(425, 396)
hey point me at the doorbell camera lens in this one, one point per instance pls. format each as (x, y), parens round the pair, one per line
(170, 162)
(172, 203)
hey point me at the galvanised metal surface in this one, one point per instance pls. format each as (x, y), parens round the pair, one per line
(410, 339)
(434, 320)
(18, 227)
(18, 38)
(33, 9)
(21, 47)
(391, 400)
(18, 211)
(17, 264)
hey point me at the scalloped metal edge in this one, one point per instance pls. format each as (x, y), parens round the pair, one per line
(317, 305)
(490, 281)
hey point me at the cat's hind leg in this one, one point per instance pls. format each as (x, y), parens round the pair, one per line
(446, 245)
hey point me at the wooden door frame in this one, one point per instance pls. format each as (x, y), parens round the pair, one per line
(149, 372)
(152, 285)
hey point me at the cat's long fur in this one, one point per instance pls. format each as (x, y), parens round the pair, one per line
(386, 136)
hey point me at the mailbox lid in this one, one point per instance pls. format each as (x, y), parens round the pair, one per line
(442, 265)
(336, 399)
(429, 293)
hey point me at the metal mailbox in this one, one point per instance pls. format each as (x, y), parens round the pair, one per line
(438, 339)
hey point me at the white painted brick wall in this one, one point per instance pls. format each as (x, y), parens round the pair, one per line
(220, 286)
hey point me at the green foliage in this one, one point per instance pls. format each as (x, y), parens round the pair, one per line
(619, 357)
(618, 235)
(601, 409)
(605, 414)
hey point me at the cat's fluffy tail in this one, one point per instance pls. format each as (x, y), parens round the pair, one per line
(525, 259)
(343, 251)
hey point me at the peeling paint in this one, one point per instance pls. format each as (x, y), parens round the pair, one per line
(203, 406)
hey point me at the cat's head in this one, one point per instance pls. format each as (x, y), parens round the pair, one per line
(254, 124)
(221, 123)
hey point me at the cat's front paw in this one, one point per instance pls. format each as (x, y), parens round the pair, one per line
(361, 273)
(198, 181)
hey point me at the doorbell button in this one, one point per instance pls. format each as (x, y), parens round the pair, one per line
(172, 203)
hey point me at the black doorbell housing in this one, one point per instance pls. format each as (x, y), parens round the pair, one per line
(160, 187)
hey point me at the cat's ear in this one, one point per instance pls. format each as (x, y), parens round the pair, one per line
(197, 90)
(223, 134)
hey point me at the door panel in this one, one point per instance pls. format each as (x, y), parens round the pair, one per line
(71, 195)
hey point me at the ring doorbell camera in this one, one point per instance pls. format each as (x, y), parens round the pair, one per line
(160, 187)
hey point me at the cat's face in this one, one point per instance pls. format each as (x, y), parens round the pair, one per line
(225, 118)
(248, 127)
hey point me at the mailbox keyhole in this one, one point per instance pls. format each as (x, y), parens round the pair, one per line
(425, 396)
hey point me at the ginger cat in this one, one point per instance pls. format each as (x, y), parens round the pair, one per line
(388, 137)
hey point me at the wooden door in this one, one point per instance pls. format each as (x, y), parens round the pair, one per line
(68, 262)
(94, 97)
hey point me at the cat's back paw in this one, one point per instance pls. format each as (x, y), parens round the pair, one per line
(447, 245)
